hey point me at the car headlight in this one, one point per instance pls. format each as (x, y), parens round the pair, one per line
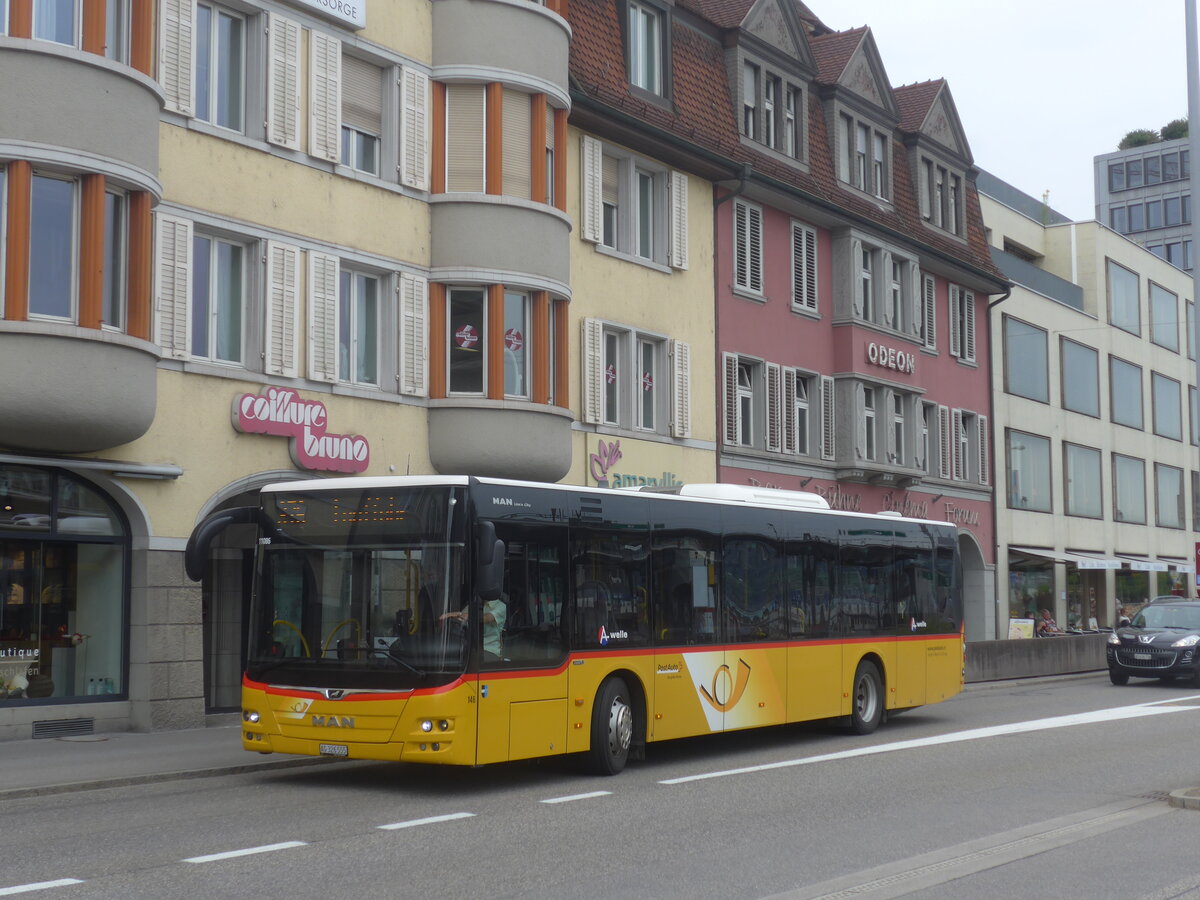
(1114, 638)
(1189, 641)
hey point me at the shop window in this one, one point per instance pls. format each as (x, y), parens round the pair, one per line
(63, 583)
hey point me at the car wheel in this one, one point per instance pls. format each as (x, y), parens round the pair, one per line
(612, 728)
(866, 699)
(1117, 678)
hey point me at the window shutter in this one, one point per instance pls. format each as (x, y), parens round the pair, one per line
(889, 406)
(362, 95)
(464, 137)
(944, 442)
(968, 301)
(984, 451)
(960, 463)
(323, 272)
(414, 139)
(414, 334)
(856, 277)
(741, 262)
(173, 285)
(516, 145)
(860, 408)
(681, 399)
(755, 249)
(828, 419)
(885, 288)
(929, 295)
(804, 267)
(774, 407)
(175, 49)
(919, 438)
(916, 309)
(283, 81)
(593, 371)
(732, 407)
(592, 166)
(955, 321)
(324, 99)
(790, 438)
(283, 300)
(679, 220)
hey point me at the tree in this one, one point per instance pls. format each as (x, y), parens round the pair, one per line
(1139, 137)
(1175, 129)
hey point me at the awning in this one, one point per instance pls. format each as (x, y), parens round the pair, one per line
(1176, 565)
(1141, 564)
(1079, 560)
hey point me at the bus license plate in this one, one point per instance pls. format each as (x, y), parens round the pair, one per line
(334, 750)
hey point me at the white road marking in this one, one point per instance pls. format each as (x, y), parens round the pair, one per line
(37, 886)
(587, 796)
(430, 821)
(248, 851)
(1158, 707)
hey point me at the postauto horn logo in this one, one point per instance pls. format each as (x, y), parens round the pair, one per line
(715, 696)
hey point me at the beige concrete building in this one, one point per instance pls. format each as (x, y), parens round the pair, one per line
(244, 242)
(1095, 418)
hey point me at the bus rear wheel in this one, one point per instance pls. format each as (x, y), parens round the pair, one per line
(612, 728)
(866, 700)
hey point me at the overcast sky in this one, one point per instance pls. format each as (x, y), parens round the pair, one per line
(1041, 86)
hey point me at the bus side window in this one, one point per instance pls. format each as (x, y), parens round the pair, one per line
(534, 591)
(684, 591)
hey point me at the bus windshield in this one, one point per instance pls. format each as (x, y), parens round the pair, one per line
(360, 589)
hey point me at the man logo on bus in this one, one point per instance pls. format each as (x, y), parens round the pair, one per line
(606, 636)
(739, 687)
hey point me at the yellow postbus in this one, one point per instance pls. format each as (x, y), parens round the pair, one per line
(466, 621)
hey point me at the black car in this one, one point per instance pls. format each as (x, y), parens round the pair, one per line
(1162, 641)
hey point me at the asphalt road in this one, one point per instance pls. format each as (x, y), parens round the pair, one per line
(1050, 789)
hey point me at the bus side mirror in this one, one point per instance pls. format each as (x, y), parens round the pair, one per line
(195, 556)
(489, 563)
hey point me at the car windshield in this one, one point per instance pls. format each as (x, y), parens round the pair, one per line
(1168, 616)
(352, 591)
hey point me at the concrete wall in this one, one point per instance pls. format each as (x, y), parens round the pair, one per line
(996, 660)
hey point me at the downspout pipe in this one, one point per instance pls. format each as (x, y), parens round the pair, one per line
(997, 489)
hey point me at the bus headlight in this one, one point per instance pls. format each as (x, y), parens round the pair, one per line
(427, 725)
(249, 715)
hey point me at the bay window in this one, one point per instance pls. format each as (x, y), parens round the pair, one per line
(53, 227)
(468, 340)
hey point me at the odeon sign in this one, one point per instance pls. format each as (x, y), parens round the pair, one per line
(891, 358)
(281, 412)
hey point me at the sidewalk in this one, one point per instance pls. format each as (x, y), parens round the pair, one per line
(60, 765)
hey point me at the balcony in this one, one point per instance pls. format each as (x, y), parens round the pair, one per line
(499, 439)
(73, 390)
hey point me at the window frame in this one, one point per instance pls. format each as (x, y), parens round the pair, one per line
(1114, 266)
(72, 314)
(215, 71)
(1066, 392)
(624, 390)
(482, 339)
(114, 299)
(350, 315)
(212, 307)
(1070, 471)
(1160, 381)
(1010, 435)
(1013, 368)
(1113, 363)
(859, 167)
(637, 12)
(76, 24)
(1159, 519)
(1119, 482)
(1163, 331)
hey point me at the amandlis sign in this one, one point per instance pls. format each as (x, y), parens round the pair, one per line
(281, 412)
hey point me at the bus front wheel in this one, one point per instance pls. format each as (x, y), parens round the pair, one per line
(612, 728)
(866, 702)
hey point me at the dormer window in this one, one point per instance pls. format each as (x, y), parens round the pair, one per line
(864, 159)
(645, 36)
(772, 108)
(941, 194)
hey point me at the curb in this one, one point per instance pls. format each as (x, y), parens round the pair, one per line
(159, 777)
(1185, 798)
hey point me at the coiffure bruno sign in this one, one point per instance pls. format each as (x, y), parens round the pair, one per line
(283, 413)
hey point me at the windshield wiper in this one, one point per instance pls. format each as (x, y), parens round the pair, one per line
(387, 653)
